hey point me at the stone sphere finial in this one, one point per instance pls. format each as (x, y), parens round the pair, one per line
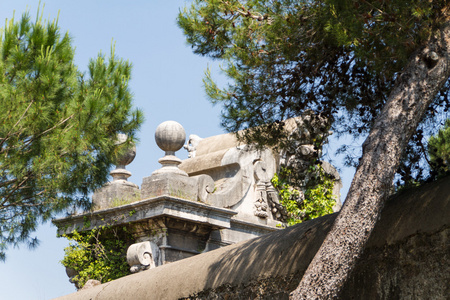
(170, 136)
(130, 153)
(124, 159)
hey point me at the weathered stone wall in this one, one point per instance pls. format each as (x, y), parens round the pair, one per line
(416, 268)
(407, 257)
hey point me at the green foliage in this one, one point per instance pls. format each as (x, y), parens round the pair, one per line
(313, 201)
(98, 254)
(436, 153)
(439, 150)
(338, 58)
(121, 201)
(57, 126)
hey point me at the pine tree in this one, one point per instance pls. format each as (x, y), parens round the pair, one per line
(57, 125)
(439, 150)
(337, 58)
(376, 67)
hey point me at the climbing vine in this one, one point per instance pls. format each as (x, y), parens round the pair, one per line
(97, 254)
(314, 200)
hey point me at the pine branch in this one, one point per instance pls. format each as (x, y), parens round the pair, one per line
(18, 121)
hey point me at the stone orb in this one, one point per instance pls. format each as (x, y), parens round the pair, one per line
(170, 136)
(129, 154)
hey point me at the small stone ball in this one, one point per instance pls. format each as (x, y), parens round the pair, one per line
(170, 136)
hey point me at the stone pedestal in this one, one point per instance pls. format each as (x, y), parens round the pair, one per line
(115, 193)
(196, 188)
(119, 191)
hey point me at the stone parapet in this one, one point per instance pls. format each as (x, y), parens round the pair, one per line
(405, 258)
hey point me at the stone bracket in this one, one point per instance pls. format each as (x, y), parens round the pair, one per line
(143, 256)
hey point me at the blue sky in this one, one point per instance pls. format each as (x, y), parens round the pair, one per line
(167, 85)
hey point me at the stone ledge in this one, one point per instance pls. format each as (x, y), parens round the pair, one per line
(145, 209)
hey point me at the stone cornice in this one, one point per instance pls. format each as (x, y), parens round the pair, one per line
(145, 209)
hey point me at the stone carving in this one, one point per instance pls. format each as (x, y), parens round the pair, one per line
(278, 211)
(222, 194)
(192, 144)
(300, 151)
(267, 201)
(143, 256)
(242, 173)
(262, 181)
(261, 201)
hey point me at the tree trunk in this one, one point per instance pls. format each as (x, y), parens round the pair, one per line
(413, 92)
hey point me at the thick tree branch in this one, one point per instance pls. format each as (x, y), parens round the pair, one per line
(413, 92)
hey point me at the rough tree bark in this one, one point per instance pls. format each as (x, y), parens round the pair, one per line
(422, 78)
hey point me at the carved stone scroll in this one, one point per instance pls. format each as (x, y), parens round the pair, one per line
(143, 256)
